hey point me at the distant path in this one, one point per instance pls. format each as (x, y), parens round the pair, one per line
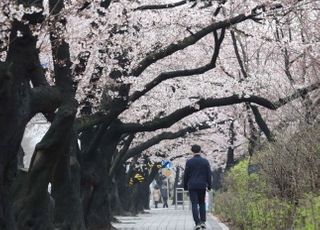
(164, 219)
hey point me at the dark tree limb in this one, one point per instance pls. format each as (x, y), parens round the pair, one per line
(253, 133)
(187, 41)
(297, 94)
(258, 117)
(137, 150)
(89, 121)
(236, 50)
(117, 106)
(179, 156)
(287, 65)
(261, 123)
(169, 120)
(230, 152)
(172, 118)
(105, 3)
(98, 118)
(183, 73)
(253, 136)
(121, 154)
(221, 3)
(45, 99)
(162, 6)
(80, 67)
(179, 3)
(176, 183)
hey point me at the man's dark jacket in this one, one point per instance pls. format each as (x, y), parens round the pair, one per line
(197, 174)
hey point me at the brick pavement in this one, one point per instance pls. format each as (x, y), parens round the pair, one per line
(164, 219)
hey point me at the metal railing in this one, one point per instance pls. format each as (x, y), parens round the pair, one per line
(181, 198)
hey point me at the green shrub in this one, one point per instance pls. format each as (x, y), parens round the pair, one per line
(245, 204)
(284, 194)
(308, 213)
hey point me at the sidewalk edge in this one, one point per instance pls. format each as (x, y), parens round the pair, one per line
(222, 225)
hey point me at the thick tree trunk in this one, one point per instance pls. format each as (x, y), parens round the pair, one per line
(217, 176)
(68, 213)
(33, 208)
(6, 216)
(147, 199)
(123, 189)
(139, 194)
(20, 157)
(230, 153)
(131, 204)
(128, 191)
(97, 166)
(15, 110)
(230, 158)
(99, 213)
(175, 185)
(115, 203)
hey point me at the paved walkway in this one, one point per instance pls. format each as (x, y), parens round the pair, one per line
(164, 219)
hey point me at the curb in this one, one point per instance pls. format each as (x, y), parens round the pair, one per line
(222, 225)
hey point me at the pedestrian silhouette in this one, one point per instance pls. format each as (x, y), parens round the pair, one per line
(197, 177)
(156, 196)
(164, 194)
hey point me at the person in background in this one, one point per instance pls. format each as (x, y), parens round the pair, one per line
(156, 196)
(164, 194)
(197, 178)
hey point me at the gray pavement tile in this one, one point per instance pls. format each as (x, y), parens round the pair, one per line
(163, 219)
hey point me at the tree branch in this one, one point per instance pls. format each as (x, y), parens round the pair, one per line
(179, 114)
(88, 121)
(297, 94)
(287, 65)
(162, 6)
(261, 123)
(257, 115)
(236, 50)
(183, 73)
(179, 156)
(45, 100)
(98, 118)
(135, 151)
(61, 51)
(117, 160)
(169, 120)
(187, 41)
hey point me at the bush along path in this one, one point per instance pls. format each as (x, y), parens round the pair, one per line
(282, 192)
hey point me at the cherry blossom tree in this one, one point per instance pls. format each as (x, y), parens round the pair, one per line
(121, 77)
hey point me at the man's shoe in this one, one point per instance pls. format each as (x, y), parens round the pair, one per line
(197, 227)
(203, 226)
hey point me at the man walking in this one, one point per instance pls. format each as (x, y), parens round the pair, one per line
(197, 177)
(164, 194)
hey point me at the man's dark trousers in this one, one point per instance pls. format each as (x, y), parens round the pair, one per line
(197, 197)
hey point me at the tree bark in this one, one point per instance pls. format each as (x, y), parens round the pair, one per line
(230, 152)
(68, 212)
(32, 208)
(115, 201)
(96, 166)
(15, 101)
(175, 184)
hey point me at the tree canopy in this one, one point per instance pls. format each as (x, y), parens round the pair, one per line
(122, 76)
